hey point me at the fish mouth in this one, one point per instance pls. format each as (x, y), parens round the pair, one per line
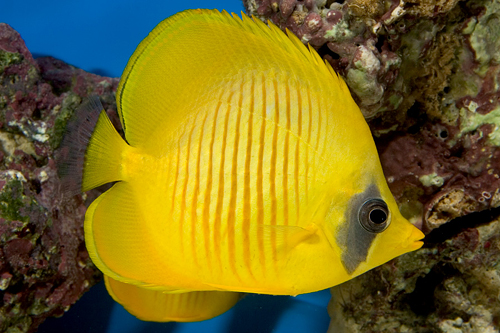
(416, 245)
(414, 240)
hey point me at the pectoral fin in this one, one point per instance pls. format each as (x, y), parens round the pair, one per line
(288, 237)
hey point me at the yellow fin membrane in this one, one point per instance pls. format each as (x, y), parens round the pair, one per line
(125, 253)
(154, 305)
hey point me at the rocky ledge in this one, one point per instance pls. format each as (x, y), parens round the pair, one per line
(44, 265)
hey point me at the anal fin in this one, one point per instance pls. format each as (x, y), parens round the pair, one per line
(156, 305)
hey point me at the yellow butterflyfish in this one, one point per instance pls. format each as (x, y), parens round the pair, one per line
(246, 167)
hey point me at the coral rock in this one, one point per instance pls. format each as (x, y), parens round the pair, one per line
(44, 266)
(449, 285)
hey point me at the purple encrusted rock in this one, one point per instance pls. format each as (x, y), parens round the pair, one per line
(44, 265)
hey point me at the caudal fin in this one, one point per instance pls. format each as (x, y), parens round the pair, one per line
(91, 150)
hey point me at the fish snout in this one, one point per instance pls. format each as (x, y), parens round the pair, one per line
(414, 239)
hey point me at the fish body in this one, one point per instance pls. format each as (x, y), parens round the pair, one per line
(247, 167)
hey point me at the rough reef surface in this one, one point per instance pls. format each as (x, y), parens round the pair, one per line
(450, 285)
(426, 75)
(44, 265)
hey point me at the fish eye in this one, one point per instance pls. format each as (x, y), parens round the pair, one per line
(374, 215)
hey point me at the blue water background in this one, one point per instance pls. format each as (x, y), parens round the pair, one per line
(99, 37)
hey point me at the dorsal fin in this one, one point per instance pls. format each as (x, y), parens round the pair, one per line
(190, 55)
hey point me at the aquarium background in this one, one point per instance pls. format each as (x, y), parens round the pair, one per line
(99, 37)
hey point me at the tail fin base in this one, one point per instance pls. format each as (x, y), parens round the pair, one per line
(90, 153)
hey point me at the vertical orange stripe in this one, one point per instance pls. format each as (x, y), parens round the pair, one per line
(297, 155)
(326, 126)
(317, 154)
(309, 130)
(285, 157)
(272, 171)
(234, 189)
(176, 174)
(246, 189)
(260, 177)
(318, 108)
(186, 179)
(196, 190)
(208, 190)
(174, 196)
(220, 194)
